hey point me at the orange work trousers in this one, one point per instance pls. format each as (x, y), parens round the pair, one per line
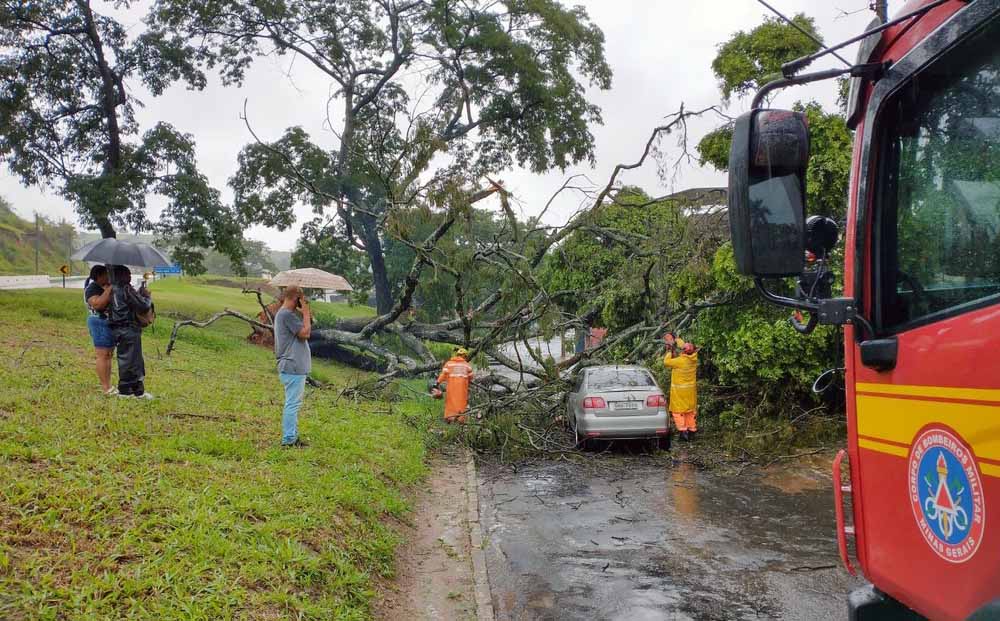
(685, 421)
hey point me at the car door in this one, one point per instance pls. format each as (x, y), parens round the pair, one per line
(927, 383)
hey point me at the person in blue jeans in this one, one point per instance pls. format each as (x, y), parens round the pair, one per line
(97, 296)
(292, 328)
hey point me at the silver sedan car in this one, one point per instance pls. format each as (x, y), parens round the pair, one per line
(615, 403)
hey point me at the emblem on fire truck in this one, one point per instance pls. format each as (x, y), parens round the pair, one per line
(946, 494)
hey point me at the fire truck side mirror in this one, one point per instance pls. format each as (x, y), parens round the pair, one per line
(767, 187)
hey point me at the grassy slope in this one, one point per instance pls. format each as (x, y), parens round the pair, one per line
(17, 246)
(185, 507)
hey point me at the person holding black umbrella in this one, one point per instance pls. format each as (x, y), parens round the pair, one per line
(123, 316)
(129, 311)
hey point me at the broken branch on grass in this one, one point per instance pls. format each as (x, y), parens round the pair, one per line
(204, 324)
(260, 300)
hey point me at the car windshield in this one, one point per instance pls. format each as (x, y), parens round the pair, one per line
(616, 379)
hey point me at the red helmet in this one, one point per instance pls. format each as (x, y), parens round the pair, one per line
(688, 348)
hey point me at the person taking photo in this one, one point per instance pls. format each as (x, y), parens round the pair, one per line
(292, 328)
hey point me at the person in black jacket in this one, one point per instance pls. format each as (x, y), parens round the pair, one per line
(126, 302)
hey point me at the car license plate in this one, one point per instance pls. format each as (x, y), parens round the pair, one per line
(627, 405)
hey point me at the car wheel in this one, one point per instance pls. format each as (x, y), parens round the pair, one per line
(663, 443)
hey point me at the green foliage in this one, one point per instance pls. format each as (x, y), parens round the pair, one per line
(185, 507)
(502, 84)
(743, 64)
(435, 297)
(748, 60)
(714, 147)
(829, 169)
(256, 259)
(67, 121)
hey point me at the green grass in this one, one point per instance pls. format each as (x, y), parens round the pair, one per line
(185, 507)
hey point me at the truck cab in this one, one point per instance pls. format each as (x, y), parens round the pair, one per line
(920, 304)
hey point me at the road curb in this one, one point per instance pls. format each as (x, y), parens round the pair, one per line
(481, 578)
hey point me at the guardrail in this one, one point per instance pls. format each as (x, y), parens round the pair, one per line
(25, 282)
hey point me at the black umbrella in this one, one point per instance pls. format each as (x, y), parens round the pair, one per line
(115, 252)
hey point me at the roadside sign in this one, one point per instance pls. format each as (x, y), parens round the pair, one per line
(170, 269)
(64, 270)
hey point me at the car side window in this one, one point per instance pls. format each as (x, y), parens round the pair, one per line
(579, 382)
(939, 219)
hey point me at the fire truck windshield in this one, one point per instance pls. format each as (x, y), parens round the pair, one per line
(938, 217)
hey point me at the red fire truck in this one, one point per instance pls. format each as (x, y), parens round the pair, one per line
(920, 304)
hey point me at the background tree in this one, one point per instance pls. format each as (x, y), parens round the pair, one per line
(748, 60)
(499, 85)
(256, 258)
(68, 76)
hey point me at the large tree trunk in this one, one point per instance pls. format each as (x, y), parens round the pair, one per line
(106, 228)
(373, 245)
(112, 96)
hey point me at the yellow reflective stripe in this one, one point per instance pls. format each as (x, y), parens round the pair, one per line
(883, 448)
(940, 392)
(990, 470)
(899, 420)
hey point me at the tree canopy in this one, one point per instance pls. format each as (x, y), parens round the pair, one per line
(68, 77)
(748, 60)
(428, 98)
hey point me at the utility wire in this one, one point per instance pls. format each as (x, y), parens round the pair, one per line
(803, 31)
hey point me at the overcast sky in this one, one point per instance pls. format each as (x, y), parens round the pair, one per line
(660, 51)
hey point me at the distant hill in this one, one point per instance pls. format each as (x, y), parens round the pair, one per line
(17, 245)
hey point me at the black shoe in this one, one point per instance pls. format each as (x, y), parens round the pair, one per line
(685, 436)
(298, 443)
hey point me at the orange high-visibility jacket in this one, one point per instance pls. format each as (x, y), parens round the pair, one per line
(458, 374)
(683, 381)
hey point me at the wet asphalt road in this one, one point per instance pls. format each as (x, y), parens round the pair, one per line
(644, 538)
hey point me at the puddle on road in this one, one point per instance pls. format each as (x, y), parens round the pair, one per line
(652, 540)
(792, 482)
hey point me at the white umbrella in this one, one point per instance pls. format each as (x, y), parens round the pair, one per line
(311, 278)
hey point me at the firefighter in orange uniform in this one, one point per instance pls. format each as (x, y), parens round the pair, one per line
(457, 374)
(682, 360)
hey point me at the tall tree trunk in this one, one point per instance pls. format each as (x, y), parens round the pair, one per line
(105, 226)
(112, 96)
(373, 245)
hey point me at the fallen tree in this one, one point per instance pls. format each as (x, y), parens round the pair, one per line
(521, 306)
